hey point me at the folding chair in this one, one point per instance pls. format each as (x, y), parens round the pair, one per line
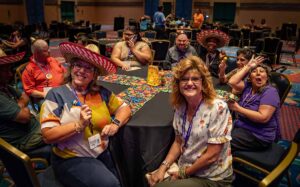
(19, 167)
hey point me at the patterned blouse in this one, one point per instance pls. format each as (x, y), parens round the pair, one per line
(59, 109)
(211, 124)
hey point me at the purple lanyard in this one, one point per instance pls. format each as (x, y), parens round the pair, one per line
(186, 135)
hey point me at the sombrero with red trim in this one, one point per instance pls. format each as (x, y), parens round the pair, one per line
(7, 59)
(203, 36)
(71, 50)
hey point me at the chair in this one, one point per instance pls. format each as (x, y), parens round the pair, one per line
(150, 34)
(254, 35)
(246, 37)
(172, 38)
(271, 49)
(100, 34)
(282, 83)
(161, 48)
(235, 37)
(291, 52)
(19, 167)
(272, 164)
(19, 86)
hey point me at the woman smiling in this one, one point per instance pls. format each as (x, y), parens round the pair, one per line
(77, 119)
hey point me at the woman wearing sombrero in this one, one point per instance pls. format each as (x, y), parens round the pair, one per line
(211, 40)
(77, 119)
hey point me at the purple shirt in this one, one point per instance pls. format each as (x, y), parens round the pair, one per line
(269, 131)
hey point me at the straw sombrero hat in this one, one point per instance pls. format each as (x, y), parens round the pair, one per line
(8, 59)
(203, 36)
(71, 50)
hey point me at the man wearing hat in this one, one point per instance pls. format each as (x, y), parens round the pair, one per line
(17, 126)
(210, 40)
(42, 73)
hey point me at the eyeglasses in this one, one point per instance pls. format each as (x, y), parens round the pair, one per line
(128, 34)
(88, 69)
(195, 80)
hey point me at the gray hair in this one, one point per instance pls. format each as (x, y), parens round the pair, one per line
(37, 45)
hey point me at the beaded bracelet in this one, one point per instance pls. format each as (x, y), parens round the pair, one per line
(182, 173)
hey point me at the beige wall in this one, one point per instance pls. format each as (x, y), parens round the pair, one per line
(9, 14)
(105, 15)
(51, 13)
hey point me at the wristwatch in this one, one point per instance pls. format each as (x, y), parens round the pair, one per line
(116, 121)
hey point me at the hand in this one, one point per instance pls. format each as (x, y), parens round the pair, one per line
(174, 175)
(222, 55)
(255, 61)
(233, 105)
(85, 115)
(222, 65)
(110, 130)
(126, 66)
(156, 177)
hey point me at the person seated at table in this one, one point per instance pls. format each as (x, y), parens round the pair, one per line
(17, 125)
(180, 50)
(210, 40)
(132, 51)
(243, 57)
(257, 124)
(79, 117)
(202, 125)
(41, 73)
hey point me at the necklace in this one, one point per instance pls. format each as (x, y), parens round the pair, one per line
(46, 71)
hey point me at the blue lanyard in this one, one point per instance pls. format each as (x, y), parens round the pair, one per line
(186, 135)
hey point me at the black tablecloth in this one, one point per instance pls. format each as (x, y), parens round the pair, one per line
(145, 140)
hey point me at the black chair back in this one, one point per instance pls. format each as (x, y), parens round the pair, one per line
(172, 38)
(282, 84)
(161, 48)
(100, 34)
(254, 35)
(271, 45)
(150, 34)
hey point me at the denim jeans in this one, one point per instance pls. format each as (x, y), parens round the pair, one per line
(86, 171)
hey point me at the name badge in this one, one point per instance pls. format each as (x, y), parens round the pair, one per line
(94, 141)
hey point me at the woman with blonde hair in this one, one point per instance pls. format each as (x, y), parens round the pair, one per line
(202, 125)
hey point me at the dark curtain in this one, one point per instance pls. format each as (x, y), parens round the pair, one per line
(224, 12)
(151, 7)
(184, 9)
(35, 11)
